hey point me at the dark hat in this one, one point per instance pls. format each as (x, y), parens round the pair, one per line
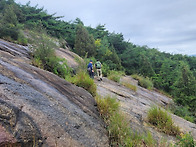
(91, 61)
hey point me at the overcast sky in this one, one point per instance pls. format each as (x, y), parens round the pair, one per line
(167, 25)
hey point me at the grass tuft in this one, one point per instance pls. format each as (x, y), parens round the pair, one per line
(130, 86)
(115, 76)
(163, 121)
(186, 140)
(83, 80)
(118, 125)
(144, 82)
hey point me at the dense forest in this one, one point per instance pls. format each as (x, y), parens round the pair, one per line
(173, 74)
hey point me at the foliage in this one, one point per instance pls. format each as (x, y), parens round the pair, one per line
(105, 69)
(9, 28)
(144, 82)
(83, 80)
(182, 111)
(117, 40)
(107, 54)
(186, 140)
(22, 39)
(174, 74)
(185, 86)
(118, 127)
(84, 43)
(163, 121)
(119, 131)
(130, 86)
(107, 106)
(82, 64)
(146, 67)
(115, 76)
(98, 32)
(149, 140)
(44, 57)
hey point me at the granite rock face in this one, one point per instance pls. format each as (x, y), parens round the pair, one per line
(135, 104)
(37, 108)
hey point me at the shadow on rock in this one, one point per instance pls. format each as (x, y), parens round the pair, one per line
(20, 130)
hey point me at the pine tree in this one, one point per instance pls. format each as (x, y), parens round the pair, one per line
(9, 23)
(185, 86)
(146, 67)
(9, 16)
(84, 43)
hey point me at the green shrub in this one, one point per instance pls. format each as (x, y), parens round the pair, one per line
(130, 86)
(83, 80)
(115, 75)
(119, 130)
(144, 82)
(183, 112)
(21, 39)
(107, 106)
(37, 62)
(58, 66)
(44, 57)
(137, 77)
(149, 140)
(82, 64)
(163, 121)
(186, 140)
(118, 125)
(9, 32)
(105, 69)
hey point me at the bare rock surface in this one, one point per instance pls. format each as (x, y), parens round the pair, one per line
(69, 56)
(136, 105)
(37, 108)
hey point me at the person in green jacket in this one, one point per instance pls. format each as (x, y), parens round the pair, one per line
(98, 66)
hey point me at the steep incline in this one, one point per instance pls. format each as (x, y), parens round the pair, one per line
(136, 105)
(38, 108)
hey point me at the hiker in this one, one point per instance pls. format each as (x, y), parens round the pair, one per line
(98, 66)
(90, 69)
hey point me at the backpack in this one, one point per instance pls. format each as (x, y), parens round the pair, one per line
(89, 69)
(98, 65)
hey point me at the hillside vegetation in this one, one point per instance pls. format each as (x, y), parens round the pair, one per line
(173, 74)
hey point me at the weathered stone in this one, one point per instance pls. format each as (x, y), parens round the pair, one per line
(37, 108)
(136, 105)
(70, 57)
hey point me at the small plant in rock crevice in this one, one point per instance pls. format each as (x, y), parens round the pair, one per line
(186, 140)
(130, 86)
(163, 121)
(118, 125)
(144, 82)
(83, 80)
(115, 75)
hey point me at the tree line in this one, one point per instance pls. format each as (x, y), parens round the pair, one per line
(174, 74)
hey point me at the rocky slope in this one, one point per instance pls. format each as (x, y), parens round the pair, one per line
(37, 108)
(136, 105)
